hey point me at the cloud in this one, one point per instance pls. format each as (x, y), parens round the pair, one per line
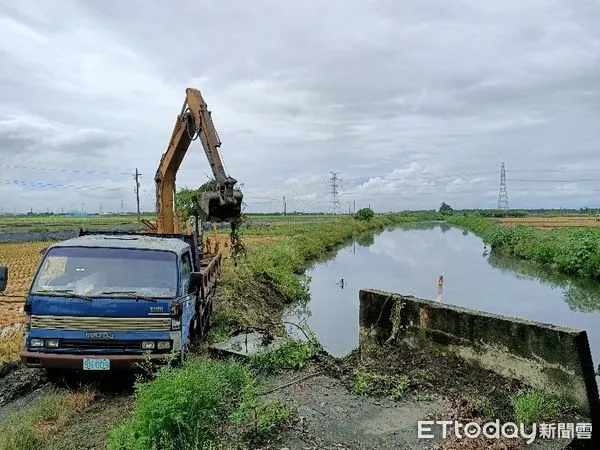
(403, 99)
(32, 136)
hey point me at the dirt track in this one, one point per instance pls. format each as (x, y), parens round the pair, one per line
(552, 222)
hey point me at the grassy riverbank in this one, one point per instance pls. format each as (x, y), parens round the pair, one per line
(272, 273)
(572, 251)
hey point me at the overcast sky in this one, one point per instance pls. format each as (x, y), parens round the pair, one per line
(413, 103)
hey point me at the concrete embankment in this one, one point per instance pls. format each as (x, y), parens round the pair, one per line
(553, 358)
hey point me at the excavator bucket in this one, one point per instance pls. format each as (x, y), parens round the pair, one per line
(214, 209)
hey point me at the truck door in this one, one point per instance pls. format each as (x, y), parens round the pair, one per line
(188, 317)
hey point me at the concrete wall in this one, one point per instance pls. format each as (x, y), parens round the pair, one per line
(554, 358)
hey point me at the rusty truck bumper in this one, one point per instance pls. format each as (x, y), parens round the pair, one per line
(75, 362)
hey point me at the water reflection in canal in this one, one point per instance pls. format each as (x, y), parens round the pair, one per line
(409, 260)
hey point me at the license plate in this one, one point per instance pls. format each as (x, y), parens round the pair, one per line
(96, 364)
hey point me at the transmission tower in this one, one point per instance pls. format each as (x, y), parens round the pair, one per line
(503, 195)
(335, 201)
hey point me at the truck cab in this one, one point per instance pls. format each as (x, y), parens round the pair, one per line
(111, 301)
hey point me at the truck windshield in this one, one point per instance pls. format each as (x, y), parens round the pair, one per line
(94, 271)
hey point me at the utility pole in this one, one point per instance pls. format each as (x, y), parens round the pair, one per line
(354, 206)
(137, 191)
(349, 211)
(503, 194)
(122, 207)
(284, 206)
(334, 192)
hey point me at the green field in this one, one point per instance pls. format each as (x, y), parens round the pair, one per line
(49, 223)
(41, 224)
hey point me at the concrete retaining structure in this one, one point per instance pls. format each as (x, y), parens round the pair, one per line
(554, 358)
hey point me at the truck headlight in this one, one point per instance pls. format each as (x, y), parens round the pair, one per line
(37, 342)
(53, 343)
(163, 345)
(147, 345)
(175, 324)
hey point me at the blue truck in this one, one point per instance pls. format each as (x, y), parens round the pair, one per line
(108, 301)
(111, 300)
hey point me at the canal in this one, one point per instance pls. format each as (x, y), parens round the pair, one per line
(409, 260)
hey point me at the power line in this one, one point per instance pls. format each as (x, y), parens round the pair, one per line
(57, 185)
(64, 170)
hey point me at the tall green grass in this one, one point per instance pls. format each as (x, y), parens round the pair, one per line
(536, 405)
(572, 251)
(204, 404)
(183, 407)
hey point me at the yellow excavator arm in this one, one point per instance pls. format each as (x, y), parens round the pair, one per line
(222, 205)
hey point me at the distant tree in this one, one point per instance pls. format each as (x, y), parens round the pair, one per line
(446, 208)
(364, 214)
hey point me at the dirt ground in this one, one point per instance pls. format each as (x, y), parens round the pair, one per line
(552, 222)
(331, 416)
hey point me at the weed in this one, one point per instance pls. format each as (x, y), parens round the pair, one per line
(197, 406)
(367, 383)
(260, 420)
(536, 405)
(182, 406)
(225, 323)
(291, 355)
(428, 397)
(422, 374)
(31, 427)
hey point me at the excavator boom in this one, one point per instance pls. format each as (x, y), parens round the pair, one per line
(193, 122)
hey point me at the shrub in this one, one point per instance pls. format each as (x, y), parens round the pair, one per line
(364, 214)
(184, 407)
(292, 354)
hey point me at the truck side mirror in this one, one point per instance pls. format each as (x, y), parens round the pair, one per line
(195, 281)
(3, 278)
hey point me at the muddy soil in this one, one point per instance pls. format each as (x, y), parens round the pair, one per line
(17, 381)
(446, 375)
(333, 418)
(89, 429)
